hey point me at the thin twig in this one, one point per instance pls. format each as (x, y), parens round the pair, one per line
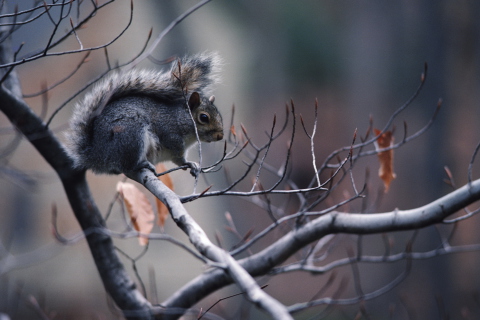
(165, 31)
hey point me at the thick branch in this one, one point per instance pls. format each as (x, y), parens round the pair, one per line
(115, 279)
(335, 222)
(226, 263)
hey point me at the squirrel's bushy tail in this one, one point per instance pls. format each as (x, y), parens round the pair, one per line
(196, 73)
(189, 74)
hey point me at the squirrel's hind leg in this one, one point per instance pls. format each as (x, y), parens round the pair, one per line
(117, 149)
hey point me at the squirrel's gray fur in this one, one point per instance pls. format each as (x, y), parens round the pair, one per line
(134, 119)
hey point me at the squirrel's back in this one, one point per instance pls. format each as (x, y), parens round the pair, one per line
(197, 73)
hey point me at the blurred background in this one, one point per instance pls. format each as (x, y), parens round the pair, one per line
(358, 60)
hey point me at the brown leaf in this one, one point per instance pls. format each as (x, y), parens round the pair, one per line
(161, 208)
(139, 209)
(385, 172)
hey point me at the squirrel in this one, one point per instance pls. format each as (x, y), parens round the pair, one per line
(135, 119)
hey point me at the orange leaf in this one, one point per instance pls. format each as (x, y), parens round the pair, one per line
(139, 209)
(161, 208)
(385, 172)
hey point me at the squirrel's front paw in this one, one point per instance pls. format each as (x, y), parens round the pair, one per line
(195, 168)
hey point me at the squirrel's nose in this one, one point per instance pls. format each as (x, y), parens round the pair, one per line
(219, 136)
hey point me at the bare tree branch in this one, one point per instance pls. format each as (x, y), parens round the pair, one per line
(264, 261)
(221, 259)
(112, 272)
(114, 277)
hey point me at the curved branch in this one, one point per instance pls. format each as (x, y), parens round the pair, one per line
(115, 279)
(226, 263)
(114, 276)
(334, 222)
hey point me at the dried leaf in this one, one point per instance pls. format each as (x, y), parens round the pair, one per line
(139, 209)
(161, 208)
(450, 180)
(385, 172)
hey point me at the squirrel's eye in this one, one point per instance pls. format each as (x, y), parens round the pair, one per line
(204, 118)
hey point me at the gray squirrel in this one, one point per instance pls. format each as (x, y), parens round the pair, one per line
(135, 119)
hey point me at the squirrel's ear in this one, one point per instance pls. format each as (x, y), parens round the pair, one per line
(194, 101)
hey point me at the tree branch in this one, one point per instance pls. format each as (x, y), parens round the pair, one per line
(225, 262)
(115, 279)
(262, 262)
